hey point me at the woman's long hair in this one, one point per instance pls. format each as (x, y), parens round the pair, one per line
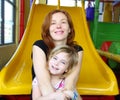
(45, 29)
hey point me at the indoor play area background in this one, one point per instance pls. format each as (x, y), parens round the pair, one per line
(97, 29)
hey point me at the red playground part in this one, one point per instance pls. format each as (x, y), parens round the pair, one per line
(105, 46)
(27, 97)
(16, 97)
(98, 98)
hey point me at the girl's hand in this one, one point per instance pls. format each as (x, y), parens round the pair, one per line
(72, 95)
(69, 94)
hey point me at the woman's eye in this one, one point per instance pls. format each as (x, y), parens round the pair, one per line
(52, 23)
(64, 22)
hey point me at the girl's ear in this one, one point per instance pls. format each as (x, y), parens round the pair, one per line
(66, 70)
(47, 66)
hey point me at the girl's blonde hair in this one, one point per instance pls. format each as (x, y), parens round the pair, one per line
(72, 54)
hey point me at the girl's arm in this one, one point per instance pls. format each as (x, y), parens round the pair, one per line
(72, 95)
(72, 78)
(41, 71)
(36, 93)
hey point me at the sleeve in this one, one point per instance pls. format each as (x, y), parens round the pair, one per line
(42, 45)
(78, 48)
(35, 82)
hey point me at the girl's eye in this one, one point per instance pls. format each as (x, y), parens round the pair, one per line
(63, 62)
(55, 58)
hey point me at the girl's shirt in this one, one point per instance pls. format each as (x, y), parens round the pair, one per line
(58, 86)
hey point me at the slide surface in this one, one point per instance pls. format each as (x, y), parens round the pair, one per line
(96, 78)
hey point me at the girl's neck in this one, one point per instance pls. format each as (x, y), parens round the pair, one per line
(55, 79)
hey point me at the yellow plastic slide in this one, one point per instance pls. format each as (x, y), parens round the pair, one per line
(96, 78)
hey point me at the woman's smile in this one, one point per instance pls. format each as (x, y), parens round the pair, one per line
(59, 32)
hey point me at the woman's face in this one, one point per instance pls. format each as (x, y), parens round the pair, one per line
(58, 64)
(59, 27)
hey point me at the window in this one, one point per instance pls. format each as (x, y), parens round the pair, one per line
(7, 21)
(69, 3)
(64, 2)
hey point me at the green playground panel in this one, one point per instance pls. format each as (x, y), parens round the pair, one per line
(114, 48)
(104, 32)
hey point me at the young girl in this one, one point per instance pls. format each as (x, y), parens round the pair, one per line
(61, 61)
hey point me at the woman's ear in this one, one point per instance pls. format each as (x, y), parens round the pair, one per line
(69, 30)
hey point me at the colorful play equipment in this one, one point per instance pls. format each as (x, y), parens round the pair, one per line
(96, 78)
(105, 31)
(104, 47)
(115, 49)
(107, 14)
(116, 11)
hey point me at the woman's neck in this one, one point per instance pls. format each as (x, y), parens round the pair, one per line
(57, 43)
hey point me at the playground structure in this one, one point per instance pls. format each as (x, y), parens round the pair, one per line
(96, 78)
(106, 31)
(116, 10)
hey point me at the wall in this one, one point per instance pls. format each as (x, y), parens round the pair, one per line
(7, 51)
(27, 10)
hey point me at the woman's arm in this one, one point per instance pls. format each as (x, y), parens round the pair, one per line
(54, 96)
(72, 78)
(41, 71)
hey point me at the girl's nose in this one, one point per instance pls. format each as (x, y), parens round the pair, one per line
(56, 63)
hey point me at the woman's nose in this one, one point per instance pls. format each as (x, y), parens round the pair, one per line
(58, 26)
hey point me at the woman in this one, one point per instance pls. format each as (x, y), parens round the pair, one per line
(57, 29)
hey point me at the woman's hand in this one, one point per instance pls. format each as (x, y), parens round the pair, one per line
(59, 95)
(54, 96)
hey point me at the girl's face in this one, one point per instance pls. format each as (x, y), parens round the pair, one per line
(59, 27)
(58, 64)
